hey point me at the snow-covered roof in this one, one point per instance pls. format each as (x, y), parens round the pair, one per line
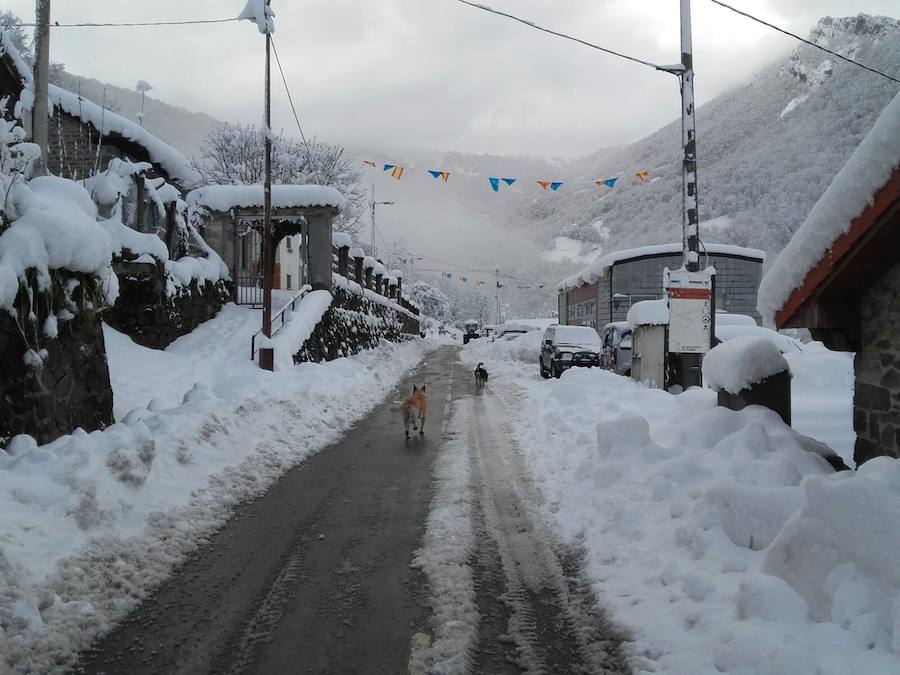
(649, 313)
(869, 168)
(163, 154)
(601, 266)
(227, 197)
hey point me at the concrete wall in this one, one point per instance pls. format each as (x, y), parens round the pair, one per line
(876, 401)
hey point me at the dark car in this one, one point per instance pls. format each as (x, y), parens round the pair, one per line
(617, 347)
(565, 347)
(472, 331)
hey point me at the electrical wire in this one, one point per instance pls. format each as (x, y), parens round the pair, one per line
(294, 109)
(130, 24)
(804, 40)
(531, 24)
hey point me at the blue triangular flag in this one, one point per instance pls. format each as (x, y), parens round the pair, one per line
(610, 182)
(509, 181)
(388, 167)
(555, 186)
(495, 184)
(435, 174)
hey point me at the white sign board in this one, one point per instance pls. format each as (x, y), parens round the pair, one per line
(690, 310)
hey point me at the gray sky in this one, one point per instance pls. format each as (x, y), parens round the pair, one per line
(399, 74)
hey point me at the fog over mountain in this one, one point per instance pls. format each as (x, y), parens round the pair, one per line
(767, 151)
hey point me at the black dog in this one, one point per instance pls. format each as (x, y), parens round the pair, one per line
(481, 375)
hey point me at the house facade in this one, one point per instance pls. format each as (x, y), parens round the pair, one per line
(605, 291)
(840, 277)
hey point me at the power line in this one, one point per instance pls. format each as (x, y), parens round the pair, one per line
(130, 24)
(804, 40)
(296, 116)
(531, 24)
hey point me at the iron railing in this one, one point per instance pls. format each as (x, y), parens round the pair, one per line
(279, 319)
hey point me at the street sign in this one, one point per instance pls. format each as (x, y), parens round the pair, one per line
(690, 310)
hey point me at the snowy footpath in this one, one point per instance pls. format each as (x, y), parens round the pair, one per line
(94, 521)
(715, 538)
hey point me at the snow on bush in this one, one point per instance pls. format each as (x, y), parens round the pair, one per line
(742, 362)
(92, 522)
(721, 539)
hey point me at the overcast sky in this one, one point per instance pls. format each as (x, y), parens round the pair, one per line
(436, 74)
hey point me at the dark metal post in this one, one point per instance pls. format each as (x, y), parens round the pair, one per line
(690, 217)
(267, 354)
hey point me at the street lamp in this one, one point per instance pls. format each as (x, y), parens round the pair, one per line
(374, 204)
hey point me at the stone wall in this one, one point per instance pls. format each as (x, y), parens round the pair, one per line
(876, 401)
(352, 324)
(70, 390)
(149, 316)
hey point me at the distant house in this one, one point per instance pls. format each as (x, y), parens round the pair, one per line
(840, 277)
(605, 291)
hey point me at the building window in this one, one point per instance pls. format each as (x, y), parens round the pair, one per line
(289, 286)
(290, 246)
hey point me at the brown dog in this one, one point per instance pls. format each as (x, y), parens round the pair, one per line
(414, 410)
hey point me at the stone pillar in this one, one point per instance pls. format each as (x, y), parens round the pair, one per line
(343, 260)
(319, 251)
(358, 273)
(368, 279)
(399, 288)
(379, 281)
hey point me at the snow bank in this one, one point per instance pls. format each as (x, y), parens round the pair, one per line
(741, 362)
(868, 170)
(57, 229)
(226, 197)
(299, 325)
(600, 267)
(92, 522)
(649, 313)
(167, 157)
(526, 347)
(719, 538)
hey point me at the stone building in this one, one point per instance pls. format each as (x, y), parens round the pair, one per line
(840, 277)
(230, 219)
(606, 290)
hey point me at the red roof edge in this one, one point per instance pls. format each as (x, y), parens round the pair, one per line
(841, 247)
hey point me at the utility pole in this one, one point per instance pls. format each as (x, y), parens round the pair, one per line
(40, 119)
(690, 216)
(267, 353)
(373, 220)
(497, 272)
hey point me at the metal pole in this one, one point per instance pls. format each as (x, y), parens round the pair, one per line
(497, 272)
(267, 354)
(690, 217)
(40, 119)
(373, 220)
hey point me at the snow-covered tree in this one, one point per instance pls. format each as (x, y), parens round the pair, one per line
(235, 155)
(11, 24)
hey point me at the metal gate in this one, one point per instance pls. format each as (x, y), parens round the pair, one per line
(248, 276)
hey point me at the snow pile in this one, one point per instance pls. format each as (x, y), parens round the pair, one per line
(599, 268)
(299, 325)
(869, 169)
(92, 522)
(223, 198)
(341, 240)
(742, 362)
(526, 347)
(168, 158)
(721, 539)
(55, 228)
(259, 12)
(649, 313)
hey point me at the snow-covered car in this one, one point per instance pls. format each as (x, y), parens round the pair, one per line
(785, 344)
(564, 347)
(616, 344)
(471, 331)
(510, 331)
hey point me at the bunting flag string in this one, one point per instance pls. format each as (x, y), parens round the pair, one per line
(497, 182)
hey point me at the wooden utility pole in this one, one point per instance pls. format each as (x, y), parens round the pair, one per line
(497, 273)
(40, 112)
(267, 353)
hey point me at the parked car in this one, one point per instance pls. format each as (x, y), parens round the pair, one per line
(564, 347)
(471, 332)
(616, 347)
(510, 331)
